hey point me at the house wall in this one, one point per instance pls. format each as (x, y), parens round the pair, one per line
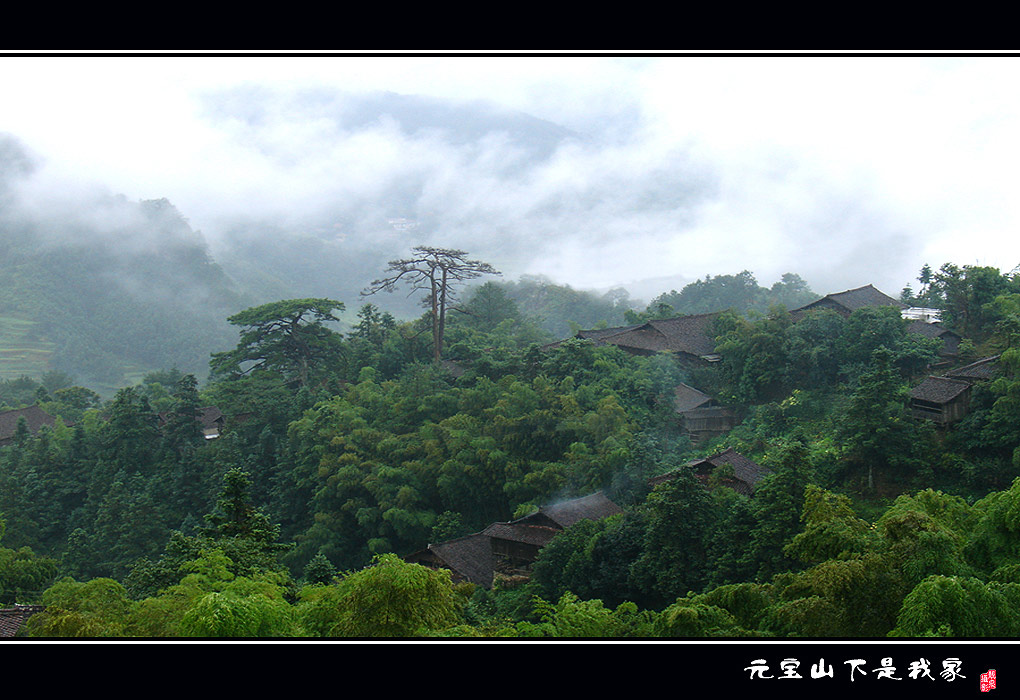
(517, 551)
(944, 413)
(702, 424)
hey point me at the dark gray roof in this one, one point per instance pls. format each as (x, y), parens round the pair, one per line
(746, 472)
(939, 389)
(564, 514)
(600, 333)
(686, 398)
(538, 535)
(853, 299)
(208, 417)
(929, 330)
(34, 416)
(684, 334)
(976, 371)
(469, 556)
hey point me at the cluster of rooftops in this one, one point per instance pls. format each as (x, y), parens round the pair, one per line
(506, 550)
(943, 399)
(690, 336)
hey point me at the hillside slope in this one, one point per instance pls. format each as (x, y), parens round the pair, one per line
(106, 291)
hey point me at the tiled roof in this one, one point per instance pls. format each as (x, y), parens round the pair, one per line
(929, 330)
(686, 334)
(538, 535)
(208, 417)
(564, 514)
(976, 371)
(34, 416)
(939, 389)
(686, 398)
(747, 472)
(11, 619)
(600, 333)
(853, 299)
(469, 556)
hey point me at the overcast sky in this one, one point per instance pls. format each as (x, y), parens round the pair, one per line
(847, 171)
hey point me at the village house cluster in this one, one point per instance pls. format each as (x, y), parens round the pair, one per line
(505, 551)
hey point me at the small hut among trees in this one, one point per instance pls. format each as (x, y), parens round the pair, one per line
(940, 399)
(508, 549)
(33, 416)
(728, 468)
(702, 418)
(845, 303)
(689, 338)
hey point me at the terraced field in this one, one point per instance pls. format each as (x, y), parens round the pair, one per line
(23, 349)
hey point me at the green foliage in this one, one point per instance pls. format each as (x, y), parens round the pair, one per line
(243, 608)
(376, 451)
(673, 561)
(740, 292)
(776, 510)
(556, 307)
(574, 618)
(389, 599)
(876, 430)
(288, 337)
(97, 608)
(957, 606)
(235, 516)
(995, 539)
(319, 570)
(23, 574)
(438, 272)
(831, 529)
(966, 296)
(687, 618)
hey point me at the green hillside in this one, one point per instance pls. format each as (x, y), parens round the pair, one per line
(106, 305)
(23, 350)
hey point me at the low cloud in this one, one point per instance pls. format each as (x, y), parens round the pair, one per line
(596, 173)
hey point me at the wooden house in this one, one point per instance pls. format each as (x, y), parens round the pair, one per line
(565, 513)
(701, 416)
(941, 399)
(467, 558)
(507, 549)
(742, 474)
(689, 338)
(950, 340)
(516, 545)
(13, 619)
(35, 418)
(845, 303)
(946, 399)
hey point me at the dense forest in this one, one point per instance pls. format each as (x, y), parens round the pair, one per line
(341, 451)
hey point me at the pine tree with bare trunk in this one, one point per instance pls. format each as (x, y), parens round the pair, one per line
(437, 271)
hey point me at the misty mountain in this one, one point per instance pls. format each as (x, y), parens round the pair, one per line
(102, 288)
(336, 245)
